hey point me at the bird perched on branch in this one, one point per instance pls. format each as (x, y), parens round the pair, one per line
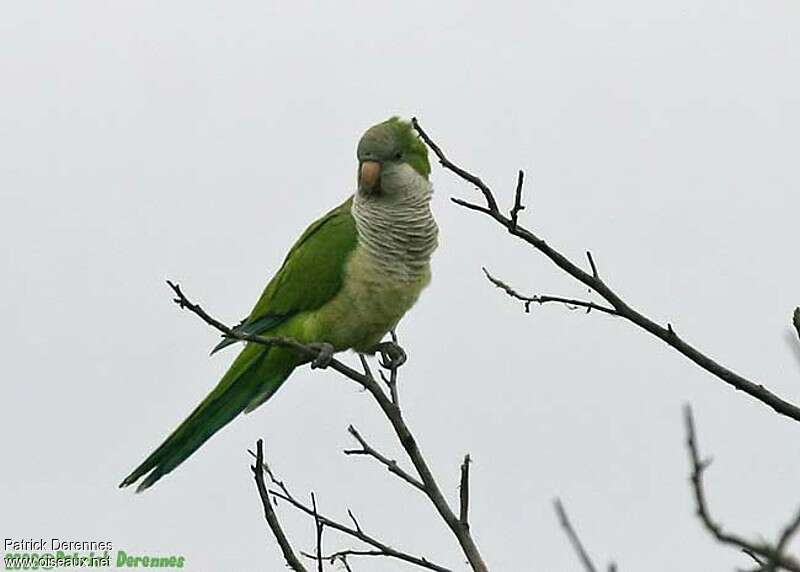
(345, 284)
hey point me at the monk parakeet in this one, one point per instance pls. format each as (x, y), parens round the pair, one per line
(345, 284)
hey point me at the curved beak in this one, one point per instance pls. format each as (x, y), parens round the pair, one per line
(369, 174)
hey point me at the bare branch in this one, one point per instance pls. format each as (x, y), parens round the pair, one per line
(355, 532)
(365, 365)
(573, 537)
(390, 464)
(341, 555)
(343, 559)
(595, 274)
(353, 518)
(755, 390)
(754, 557)
(391, 381)
(469, 177)
(269, 513)
(383, 548)
(392, 412)
(518, 206)
(471, 206)
(796, 321)
(571, 303)
(788, 532)
(319, 528)
(304, 349)
(463, 514)
(773, 555)
(776, 561)
(431, 487)
(184, 303)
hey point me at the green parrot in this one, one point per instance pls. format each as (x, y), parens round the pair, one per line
(345, 284)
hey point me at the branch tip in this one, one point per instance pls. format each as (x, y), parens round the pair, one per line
(773, 555)
(518, 206)
(574, 540)
(595, 273)
(796, 321)
(463, 515)
(617, 306)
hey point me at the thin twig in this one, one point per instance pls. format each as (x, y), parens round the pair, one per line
(595, 273)
(469, 177)
(573, 537)
(309, 351)
(471, 206)
(343, 559)
(431, 487)
(351, 552)
(788, 532)
(319, 528)
(755, 390)
(353, 518)
(796, 321)
(518, 206)
(753, 556)
(355, 532)
(184, 303)
(773, 555)
(463, 514)
(383, 548)
(390, 464)
(269, 513)
(365, 365)
(571, 303)
(391, 381)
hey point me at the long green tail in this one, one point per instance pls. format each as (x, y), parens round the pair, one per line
(254, 376)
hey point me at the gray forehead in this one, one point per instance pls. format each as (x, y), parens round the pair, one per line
(378, 140)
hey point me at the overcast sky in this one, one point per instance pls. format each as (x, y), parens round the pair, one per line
(194, 141)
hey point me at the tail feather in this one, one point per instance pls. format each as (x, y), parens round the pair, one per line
(257, 370)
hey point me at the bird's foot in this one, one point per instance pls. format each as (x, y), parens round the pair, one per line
(392, 355)
(324, 356)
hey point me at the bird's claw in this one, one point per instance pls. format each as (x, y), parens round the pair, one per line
(324, 356)
(392, 355)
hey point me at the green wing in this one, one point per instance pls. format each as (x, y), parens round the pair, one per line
(313, 271)
(311, 274)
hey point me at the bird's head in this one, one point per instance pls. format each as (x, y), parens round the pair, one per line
(384, 149)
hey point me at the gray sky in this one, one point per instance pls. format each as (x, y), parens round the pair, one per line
(195, 141)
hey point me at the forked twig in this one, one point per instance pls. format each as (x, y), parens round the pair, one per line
(389, 405)
(259, 469)
(773, 555)
(593, 280)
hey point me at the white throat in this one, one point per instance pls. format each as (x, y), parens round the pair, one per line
(396, 226)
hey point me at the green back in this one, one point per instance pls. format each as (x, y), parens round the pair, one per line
(313, 271)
